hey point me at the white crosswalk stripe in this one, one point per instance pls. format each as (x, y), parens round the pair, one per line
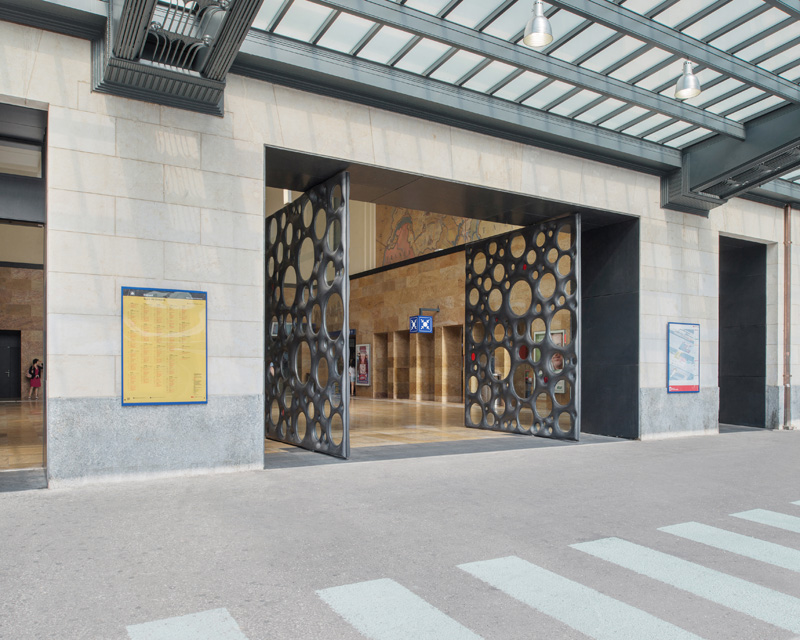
(386, 610)
(216, 624)
(751, 599)
(771, 518)
(598, 616)
(737, 543)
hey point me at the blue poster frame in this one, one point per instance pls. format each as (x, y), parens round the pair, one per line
(122, 350)
(669, 368)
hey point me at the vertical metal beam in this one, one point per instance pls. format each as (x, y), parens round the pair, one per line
(787, 316)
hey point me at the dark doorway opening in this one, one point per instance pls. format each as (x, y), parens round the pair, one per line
(742, 332)
(10, 364)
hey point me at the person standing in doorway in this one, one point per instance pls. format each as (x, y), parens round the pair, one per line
(34, 374)
(352, 373)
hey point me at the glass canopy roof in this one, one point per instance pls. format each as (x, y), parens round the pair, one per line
(753, 31)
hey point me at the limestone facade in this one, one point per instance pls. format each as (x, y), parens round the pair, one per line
(144, 195)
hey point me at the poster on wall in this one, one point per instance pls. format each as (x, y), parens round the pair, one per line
(164, 346)
(683, 357)
(362, 365)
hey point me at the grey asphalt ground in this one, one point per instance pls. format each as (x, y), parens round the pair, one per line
(91, 561)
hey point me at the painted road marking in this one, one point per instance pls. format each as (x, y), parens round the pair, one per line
(768, 552)
(771, 518)
(216, 624)
(586, 610)
(386, 610)
(754, 600)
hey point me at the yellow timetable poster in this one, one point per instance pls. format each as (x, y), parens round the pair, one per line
(163, 346)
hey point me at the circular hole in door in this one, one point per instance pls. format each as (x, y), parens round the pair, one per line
(479, 263)
(306, 259)
(478, 332)
(526, 418)
(322, 372)
(289, 286)
(300, 427)
(495, 300)
(308, 214)
(473, 384)
(337, 429)
(501, 363)
(564, 265)
(517, 246)
(334, 315)
(521, 298)
(564, 422)
(565, 236)
(302, 364)
(547, 286)
(336, 197)
(320, 224)
(335, 236)
(544, 405)
(523, 381)
(499, 273)
(474, 296)
(475, 413)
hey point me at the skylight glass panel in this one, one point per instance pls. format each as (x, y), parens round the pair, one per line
(773, 42)
(267, 14)
(551, 92)
(302, 20)
(422, 55)
(562, 22)
(624, 118)
(666, 75)
(721, 17)
(600, 111)
(518, 87)
(457, 67)
(345, 33)
(710, 94)
(784, 58)
(433, 7)
(511, 22)
(666, 132)
(578, 101)
(794, 175)
(588, 40)
(641, 6)
(749, 29)
(490, 76)
(385, 45)
(755, 110)
(640, 64)
(645, 125)
(791, 74)
(688, 138)
(470, 13)
(735, 100)
(682, 11)
(613, 54)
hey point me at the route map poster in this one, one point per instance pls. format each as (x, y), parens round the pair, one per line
(683, 358)
(164, 346)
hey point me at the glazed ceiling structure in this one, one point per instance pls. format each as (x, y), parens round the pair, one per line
(603, 89)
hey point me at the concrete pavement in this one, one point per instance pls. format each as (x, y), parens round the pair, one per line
(677, 539)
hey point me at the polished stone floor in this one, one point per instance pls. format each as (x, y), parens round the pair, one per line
(21, 441)
(402, 422)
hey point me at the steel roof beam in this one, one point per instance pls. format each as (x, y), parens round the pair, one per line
(636, 25)
(283, 61)
(422, 24)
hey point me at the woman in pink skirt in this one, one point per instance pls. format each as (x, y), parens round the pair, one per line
(34, 374)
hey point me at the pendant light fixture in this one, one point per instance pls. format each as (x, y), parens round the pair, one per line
(688, 85)
(538, 32)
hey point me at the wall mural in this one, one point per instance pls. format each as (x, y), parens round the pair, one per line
(402, 233)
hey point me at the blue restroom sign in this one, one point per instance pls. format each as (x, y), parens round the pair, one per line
(420, 324)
